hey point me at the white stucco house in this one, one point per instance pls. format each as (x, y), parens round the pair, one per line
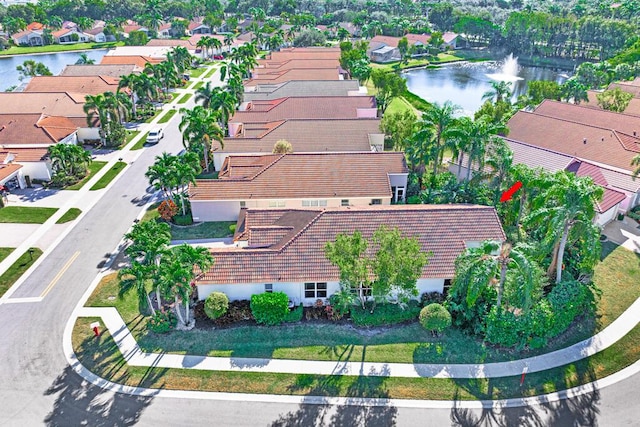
(300, 180)
(283, 249)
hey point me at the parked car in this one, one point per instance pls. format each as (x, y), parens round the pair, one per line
(218, 57)
(154, 136)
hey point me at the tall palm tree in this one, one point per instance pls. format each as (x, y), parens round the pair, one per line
(149, 242)
(228, 41)
(181, 58)
(564, 211)
(204, 94)
(501, 91)
(473, 137)
(161, 176)
(135, 278)
(190, 257)
(203, 44)
(129, 83)
(199, 128)
(85, 60)
(173, 279)
(488, 265)
(436, 122)
(499, 160)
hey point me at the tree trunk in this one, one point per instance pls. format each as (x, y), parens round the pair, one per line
(177, 306)
(158, 299)
(503, 277)
(469, 166)
(186, 308)
(523, 201)
(554, 260)
(460, 160)
(560, 257)
(150, 304)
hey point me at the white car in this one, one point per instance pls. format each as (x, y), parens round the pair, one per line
(155, 136)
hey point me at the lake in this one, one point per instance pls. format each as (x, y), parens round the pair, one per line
(464, 83)
(54, 61)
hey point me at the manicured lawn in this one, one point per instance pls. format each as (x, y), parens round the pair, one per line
(108, 177)
(205, 230)
(25, 214)
(184, 98)
(94, 167)
(20, 50)
(210, 73)
(198, 85)
(14, 272)
(69, 215)
(151, 213)
(198, 72)
(4, 252)
(399, 105)
(150, 119)
(140, 144)
(167, 116)
(406, 343)
(130, 135)
(102, 357)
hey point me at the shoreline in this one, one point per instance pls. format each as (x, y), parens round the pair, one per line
(13, 55)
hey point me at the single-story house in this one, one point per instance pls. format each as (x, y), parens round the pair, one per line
(11, 173)
(110, 70)
(286, 54)
(82, 85)
(28, 38)
(304, 135)
(33, 163)
(281, 76)
(385, 48)
(96, 34)
(70, 35)
(303, 88)
(197, 27)
(324, 107)
(283, 249)
(321, 179)
(164, 31)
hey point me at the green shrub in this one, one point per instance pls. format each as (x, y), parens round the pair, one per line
(435, 318)
(569, 299)
(384, 314)
(216, 305)
(634, 213)
(270, 308)
(162, 322)
(182, 219)
(294, 315)
(232, 228)
(431, 297)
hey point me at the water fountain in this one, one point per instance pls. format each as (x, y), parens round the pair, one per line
(509, 70)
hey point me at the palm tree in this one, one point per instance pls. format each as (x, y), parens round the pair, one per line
(180, 57)
(214, 43)
(228, 41)
(203, 45)
(565, 211)
(205, 94)
(135, 278)
(85, 60)
(31, 68)
(189, 257)
(574, 91)
(149, 242)
(437, 121)
(161, 175)
(69, 158)
(636, 162)
(500, 160)
(473, 137)
(199, 128)
(488, 265)
(129, 82)
(173, 279)
(501, 91)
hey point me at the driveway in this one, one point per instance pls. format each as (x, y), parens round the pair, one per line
(625, 233)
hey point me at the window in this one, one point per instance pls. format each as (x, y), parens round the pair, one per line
(344, 202)
(314, 203)
(447, 286)
(276, 204)
(315, 290)
(376, 201)
(268, 287)
(243, 205)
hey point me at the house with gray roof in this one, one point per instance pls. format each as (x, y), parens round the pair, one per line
(303, 88)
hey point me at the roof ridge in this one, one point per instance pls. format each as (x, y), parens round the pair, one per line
(566, 120)
(302, 230)
(588, 107)
(266, 167)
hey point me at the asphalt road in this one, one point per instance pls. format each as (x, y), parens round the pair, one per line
(37, 387)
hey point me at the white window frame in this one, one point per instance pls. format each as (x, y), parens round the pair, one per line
(276, 203)
(268, 288)
(315, 290)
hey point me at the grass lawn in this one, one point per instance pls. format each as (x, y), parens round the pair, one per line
(198, 72)
(210, 73)
(184, 98)
(69, 215)
(204, 230)
(4, 252)
(399, 105)
(21, 50)
(140, 144)
(167, 116)
(409, 343)
(108, 177)
(94, 167)
(197, 86)
(25, 214)
(130, 135)
(150, 119)
(14, 272)
(102, 357)
(151, 213)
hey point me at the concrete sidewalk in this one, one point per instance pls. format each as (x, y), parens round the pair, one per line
(136, 357)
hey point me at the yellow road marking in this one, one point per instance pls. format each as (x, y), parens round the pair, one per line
(59, 275)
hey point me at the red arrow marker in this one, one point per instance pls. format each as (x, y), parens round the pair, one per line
(507, 195)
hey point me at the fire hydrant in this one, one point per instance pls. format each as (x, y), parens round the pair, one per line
(95, 326)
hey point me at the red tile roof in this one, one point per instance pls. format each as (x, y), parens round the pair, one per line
(7, 170)
(602, 145)
(325, 107)
(87, 85)
(137, 60)
(29, 154)
(51, 103)
(289, 244)
(318, 175)
(304, 53)
(269, 64)
(34, 129)
(317, 135)
(280, 76)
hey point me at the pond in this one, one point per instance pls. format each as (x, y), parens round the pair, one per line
(464, 83)
(54, 61)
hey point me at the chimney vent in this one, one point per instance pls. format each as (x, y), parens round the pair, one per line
(584, 140)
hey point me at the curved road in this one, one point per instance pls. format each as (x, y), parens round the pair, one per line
(38, 387)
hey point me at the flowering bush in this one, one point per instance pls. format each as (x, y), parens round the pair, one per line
(162, 322)
(216, 305)
(167, 210)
